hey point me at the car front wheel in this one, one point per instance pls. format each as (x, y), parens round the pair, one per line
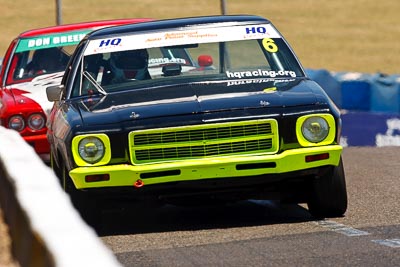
(328, 196)
(84, 204)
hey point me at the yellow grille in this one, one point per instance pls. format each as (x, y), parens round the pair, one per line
(165, 144)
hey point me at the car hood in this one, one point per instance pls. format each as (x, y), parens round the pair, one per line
(34, 91)
(195, 98)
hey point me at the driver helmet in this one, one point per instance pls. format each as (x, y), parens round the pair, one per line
(129, 65)
(46, 61)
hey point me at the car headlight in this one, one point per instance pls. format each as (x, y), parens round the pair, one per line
(16, 123)
(315, 129)
(91, 149)
(36, 121)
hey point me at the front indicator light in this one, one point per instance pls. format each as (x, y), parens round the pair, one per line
(311, 158)
(97, 178)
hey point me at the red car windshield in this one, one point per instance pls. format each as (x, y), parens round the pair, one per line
(40, 55)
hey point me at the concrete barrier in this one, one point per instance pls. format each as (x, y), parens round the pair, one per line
(45, 228)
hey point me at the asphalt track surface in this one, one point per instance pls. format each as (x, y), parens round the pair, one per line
(270, 234)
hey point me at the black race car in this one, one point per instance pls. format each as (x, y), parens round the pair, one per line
(205, 109)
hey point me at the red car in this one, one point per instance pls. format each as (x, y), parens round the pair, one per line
(33, 61)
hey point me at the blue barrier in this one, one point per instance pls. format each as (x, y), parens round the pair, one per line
(356, 95)
(331, 86)
(356, 91)
(384, 94)
(370, 104)
(370, 129)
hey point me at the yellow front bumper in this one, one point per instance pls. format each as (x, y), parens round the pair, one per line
(207, 168)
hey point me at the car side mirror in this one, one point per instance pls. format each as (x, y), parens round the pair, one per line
(54, 92)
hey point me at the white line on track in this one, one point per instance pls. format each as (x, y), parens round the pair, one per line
(349, 231)
(393, 243)
(341, 228)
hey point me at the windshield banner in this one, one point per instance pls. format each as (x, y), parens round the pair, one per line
(51, 40)
(181, 37)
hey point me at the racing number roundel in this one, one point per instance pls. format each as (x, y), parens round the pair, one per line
(270, 45)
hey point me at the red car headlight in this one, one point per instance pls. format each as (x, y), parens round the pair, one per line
(36, 121)
(16, 123)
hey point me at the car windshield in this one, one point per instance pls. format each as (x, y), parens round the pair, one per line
(38, 55)
(175, 57)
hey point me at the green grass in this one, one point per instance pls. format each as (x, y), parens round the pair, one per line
(340, 35)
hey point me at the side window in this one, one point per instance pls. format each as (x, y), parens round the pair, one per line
(19, 64)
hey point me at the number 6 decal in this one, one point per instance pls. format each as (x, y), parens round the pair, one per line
(270, 45)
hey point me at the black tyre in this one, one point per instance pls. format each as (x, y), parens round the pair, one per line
(328, 196)
(84, 203)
